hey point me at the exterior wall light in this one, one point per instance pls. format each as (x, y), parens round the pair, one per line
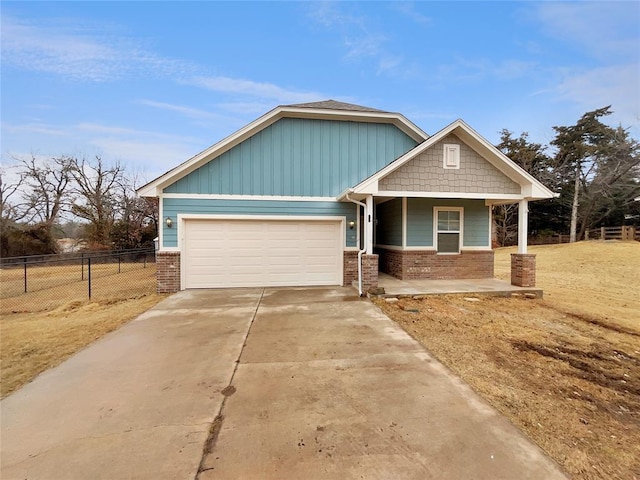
(351, 225)
(169, 222)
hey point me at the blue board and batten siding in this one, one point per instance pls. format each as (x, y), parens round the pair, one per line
(299, 157)
(174, 206)
(476, 222)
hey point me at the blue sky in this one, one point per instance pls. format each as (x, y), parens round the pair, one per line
(150, 84)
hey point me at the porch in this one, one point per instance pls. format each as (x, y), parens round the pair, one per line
(394, 287)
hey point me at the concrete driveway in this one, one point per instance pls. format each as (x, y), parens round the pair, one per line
(310, 383)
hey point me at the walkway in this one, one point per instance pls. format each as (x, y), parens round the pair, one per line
(394, 287)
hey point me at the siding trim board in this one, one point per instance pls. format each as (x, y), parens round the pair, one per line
(176, 207)
(281, 198)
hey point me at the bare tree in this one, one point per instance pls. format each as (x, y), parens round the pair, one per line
(96, 190)
(46, 190)
(9, 211)
(137, 217)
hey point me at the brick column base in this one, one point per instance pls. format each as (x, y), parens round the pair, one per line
(168, 272)
(369, 272)
(523, 269)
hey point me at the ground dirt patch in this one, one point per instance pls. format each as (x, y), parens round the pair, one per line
(34, 342)
(566, 369)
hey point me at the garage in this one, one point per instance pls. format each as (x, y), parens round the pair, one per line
(220, 253)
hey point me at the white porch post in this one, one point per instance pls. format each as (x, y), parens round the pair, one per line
(368, 225)
(523, 222)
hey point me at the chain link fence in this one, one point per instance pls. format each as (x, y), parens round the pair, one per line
(45, 282)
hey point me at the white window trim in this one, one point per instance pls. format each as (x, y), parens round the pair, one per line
(435, 228)
(447, 149)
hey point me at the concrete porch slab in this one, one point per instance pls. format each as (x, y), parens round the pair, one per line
(394, 287)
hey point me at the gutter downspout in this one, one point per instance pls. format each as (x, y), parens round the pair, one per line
(360, 252)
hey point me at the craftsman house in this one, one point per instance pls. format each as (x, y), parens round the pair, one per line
(328, 193)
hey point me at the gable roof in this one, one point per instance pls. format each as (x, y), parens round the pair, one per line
(324, 110)
(532, 189)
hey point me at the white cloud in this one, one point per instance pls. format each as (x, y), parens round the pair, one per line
(246, 108)
(357, 36)
(256, 89)
(610, 85)
(602, 29)
(409, 9)
(81, 53)
(186, 111)
(34, 128)
(474, 70)
(154, 156)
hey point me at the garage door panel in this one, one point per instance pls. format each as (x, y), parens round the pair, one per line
(239, 253)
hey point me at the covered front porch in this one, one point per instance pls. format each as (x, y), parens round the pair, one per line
(427, 215)
(416, 245)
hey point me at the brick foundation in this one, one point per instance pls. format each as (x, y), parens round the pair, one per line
(350, 267)
(523, 269)
(427, 264)
(168, 272)
(369, 272)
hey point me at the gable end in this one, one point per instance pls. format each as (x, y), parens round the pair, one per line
(298, 157)
(428, 172)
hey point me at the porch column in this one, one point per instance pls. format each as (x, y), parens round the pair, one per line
(523, 224)
(368, 225)
(523, 264)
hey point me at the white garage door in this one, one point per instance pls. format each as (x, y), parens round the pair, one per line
(256, 253)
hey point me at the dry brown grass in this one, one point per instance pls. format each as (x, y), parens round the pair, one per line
(593, 278)
(51, 286)
(565, 370)
(34, 342)
(39, 330)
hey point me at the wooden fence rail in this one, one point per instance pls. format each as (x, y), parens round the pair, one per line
(624, 232)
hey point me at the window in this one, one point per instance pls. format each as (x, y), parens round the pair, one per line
(451, 156)
(448, 229)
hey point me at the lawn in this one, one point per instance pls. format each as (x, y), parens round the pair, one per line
(566, 369)
(39, 330)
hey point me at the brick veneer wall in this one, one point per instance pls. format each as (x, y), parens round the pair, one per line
(427, 264)
(369, 272)
(350, 268)
(523, 269)
(168, 272)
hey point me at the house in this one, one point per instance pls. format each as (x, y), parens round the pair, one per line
(327, 193)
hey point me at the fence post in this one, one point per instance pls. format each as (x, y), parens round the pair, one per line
(25, 274)
(603, 235)
(144, 259)
(82, 263)
(89, 275)
(586, 234)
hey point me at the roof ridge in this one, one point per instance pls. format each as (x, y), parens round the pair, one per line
(336, 105)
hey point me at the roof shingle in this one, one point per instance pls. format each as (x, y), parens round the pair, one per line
(335, 105)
